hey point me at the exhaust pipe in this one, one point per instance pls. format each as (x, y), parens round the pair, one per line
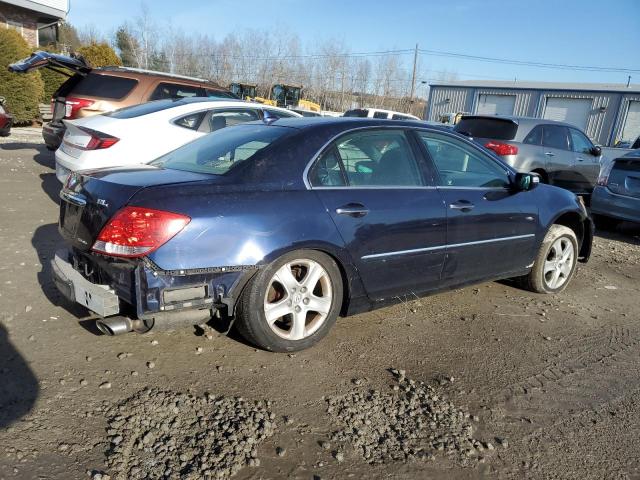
(115, 325)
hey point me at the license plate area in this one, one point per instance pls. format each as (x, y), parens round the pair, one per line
(70, 215)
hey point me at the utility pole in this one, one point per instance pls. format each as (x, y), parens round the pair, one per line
(413, 75)
(628, 80)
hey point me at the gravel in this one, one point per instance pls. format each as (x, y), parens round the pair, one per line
(413, 421)
(161, 434)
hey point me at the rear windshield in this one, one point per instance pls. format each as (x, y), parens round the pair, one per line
(357, 112)
(494, 128)
(145, 108)
(219, 152)
(105, 86)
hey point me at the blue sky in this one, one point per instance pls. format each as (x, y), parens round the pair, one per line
(578, 32)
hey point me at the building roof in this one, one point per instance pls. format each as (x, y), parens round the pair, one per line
(51, 8)
(525, 85)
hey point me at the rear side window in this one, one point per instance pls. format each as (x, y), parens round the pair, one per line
(105, 86)
(218, 154)
(380, 115)
(555, 136)
(192, 121)
(227, 118)
(481, 127)
(280, 113)
(369, 158)
(176, 90)
(534, 137)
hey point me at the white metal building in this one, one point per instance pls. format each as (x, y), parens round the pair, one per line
(606, 113)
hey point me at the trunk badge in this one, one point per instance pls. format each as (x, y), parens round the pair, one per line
(102, 202)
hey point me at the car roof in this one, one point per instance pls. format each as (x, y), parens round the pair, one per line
(521, 120)
(140, 72)
(353, 122)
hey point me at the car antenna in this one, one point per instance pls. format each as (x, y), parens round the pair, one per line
(268, 118)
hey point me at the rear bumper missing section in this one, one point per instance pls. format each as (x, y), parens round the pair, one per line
(154, 294)
(100, 299)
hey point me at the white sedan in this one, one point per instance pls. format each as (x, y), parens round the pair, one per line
(142, 133)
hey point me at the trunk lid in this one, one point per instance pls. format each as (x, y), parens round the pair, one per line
(624, 178)
(91, 198)
(53, 61)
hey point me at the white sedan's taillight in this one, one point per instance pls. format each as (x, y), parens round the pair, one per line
(93, 140)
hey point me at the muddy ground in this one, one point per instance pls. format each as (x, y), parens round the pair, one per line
(556, 379)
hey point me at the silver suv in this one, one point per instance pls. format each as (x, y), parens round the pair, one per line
(559, 152)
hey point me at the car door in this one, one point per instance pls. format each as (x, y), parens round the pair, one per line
(587, 165)
(560, 158)
(490, 228)
(373, 184)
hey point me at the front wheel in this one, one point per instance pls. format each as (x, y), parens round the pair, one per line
(292, 303)
(555, 263)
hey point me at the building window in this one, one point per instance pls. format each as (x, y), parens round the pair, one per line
(17, 26)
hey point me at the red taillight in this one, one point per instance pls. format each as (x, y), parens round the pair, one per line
(98, 140)
(138, 231)
(502, 148)
(73, 106)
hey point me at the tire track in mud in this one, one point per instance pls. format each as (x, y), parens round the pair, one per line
(580, 354)
(589, 398)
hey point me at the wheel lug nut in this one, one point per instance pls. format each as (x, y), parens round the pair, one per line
(289, 303)
(305, 301)
(303, 289)
(297, 309)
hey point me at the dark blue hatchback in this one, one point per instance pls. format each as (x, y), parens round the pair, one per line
(284, 227)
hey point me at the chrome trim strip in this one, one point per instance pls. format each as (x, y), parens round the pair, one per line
(74, 198)
(441, 247)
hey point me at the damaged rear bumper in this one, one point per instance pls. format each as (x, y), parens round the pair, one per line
(109, 286)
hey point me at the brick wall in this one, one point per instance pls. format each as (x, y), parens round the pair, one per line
(23, 20)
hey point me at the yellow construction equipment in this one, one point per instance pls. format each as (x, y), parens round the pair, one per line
(247, 91)
(292, 96)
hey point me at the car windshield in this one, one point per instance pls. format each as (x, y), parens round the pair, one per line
(219, 152)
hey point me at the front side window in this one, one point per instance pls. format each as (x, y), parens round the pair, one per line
(175, 90)
(370, 158)
(460, 165)
(227, 118)
(555, 136)
(580, 142)
(218, 154)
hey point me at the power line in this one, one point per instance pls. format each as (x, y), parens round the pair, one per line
(560, 66)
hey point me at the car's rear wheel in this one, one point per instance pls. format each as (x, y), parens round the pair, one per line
(555, 263)
(292, 303)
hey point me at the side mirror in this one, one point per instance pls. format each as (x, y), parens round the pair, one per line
(524, 182)
(596, 151)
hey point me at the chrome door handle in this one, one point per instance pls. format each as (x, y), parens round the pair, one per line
(462, 205)
(353, 210)
(550, 154)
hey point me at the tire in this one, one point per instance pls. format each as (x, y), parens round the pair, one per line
(272, 292)
(546, 267)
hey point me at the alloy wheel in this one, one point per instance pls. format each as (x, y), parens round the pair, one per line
(559, 263)
(298, 299)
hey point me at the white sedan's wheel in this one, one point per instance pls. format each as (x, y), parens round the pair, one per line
(298, 299)
(291, 303)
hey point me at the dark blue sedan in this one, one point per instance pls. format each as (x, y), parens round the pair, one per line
(285, 225)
